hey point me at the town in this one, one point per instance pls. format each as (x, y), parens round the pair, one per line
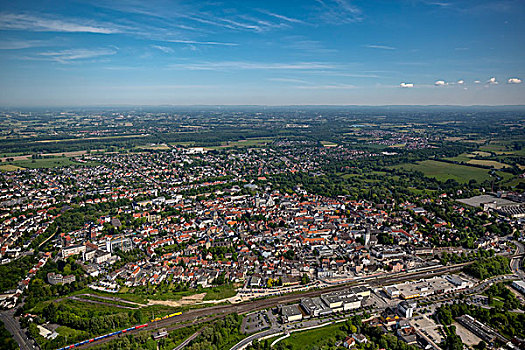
(302, 236)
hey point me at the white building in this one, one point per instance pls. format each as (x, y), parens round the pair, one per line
(519, 285)
(291, 313)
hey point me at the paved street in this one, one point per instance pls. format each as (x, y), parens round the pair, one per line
(12, 325)
(515, 263)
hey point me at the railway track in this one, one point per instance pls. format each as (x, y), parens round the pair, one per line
(197, 316)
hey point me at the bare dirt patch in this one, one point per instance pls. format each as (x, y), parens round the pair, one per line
(188, 300)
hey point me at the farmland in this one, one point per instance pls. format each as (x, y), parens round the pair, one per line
(443, 171)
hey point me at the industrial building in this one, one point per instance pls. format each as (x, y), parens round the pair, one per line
(426, 287)
(328, 303)
(519, 286)
(291, 313)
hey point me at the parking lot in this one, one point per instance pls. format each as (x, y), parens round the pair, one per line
(255, 322)
(428, 327)
(467, 337)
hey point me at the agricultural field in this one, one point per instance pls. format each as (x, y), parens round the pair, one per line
(491, 163)
(155, 147)
(254, 142)
(443, 171)
(42, 163)
(328, 144)
(257, 142)
(10, 167)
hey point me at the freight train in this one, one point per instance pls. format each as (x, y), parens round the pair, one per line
(119, 332)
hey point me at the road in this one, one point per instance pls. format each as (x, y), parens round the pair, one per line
(248, 340)
(298, 326)
(187, 341)
(12, 325)
(515, 263)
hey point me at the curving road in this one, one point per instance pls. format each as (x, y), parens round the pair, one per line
(515, 262)
(12, 325)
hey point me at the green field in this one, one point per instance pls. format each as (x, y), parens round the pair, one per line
(258, 142)
(313, 339)
(328, 144)
(444, 171)
(221, 292)
(492, 163)
(133, 297)
(255, 142)
(10, 167)
(70, 333)
(42, 163)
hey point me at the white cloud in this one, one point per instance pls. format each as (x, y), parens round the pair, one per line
(327, 87)
(514, 81)
(284, 18)
(22, 44)
(406, 85)
(287, 80)
(461, 82)
(66, 56)
(381, 47)
(339, 11)
(492, 81)
(164, 49)
(193, 42)
(477, 82)
(440, 83)
(231, 65)
(10, 21)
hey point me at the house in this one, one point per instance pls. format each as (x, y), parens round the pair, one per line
(359, 338)
(349, 342)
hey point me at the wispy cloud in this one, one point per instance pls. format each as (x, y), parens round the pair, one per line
(436, 3)
(288, 80)
(475, 7)
(339, 11)
(326, 87)
(164, 87)
(380, 47)
(339, 73)
(194, 42)
(237, 23)
(22, 44)
(164, 49)
(242, 65)
(11, 21)
(306, 45)
(67, 56)
(282, 17)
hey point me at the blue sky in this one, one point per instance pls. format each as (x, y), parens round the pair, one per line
(151, 52)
